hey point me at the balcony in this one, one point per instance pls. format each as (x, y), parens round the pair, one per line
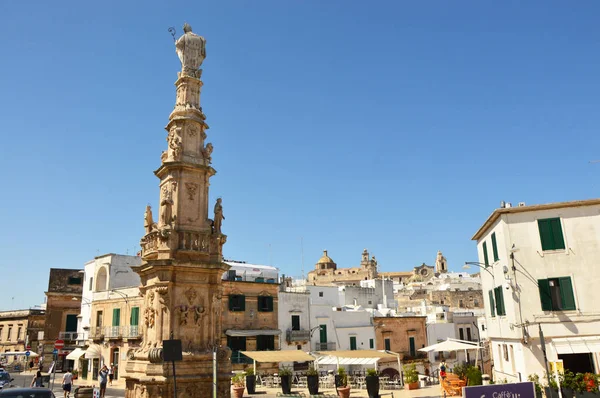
(112, 332)
(324, 346)
(416, 356)
(297, 335)
(70, 336)
(132, 332)
(97, 332)
(115, 332)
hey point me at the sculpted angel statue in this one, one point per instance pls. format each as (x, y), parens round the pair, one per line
(191, 50)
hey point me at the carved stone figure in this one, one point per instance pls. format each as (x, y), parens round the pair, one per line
(149, 224)
(207, 152)
(183, 315)
(219, 217)
(167, 207)
(191, 189)
(149, 315)
(174, 142)
(198, 315)
(191, 50)
(191, 295)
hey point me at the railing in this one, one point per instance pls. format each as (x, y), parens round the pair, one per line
(297, 335)
(238, 357)
(324, 346)
(97, 332)
(132, 332)
(70, 336)
(415, 356)
(112, 332)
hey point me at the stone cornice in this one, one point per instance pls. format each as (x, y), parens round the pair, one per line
(167, 166)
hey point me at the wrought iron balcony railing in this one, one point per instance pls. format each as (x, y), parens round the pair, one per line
(297, 335)
(70, 336)
(324, 346)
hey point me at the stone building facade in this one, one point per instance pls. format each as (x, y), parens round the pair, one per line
(326, 272)
(249, 318)
(19, 328)
(456, 299)
(63, 300)
(403, 335)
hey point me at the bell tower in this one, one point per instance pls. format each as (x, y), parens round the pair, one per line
(182, 261)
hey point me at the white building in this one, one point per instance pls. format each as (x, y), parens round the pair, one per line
(540, 271)
(294, 319)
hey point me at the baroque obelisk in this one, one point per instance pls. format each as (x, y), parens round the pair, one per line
(182, 262)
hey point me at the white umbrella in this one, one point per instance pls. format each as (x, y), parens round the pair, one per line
(451, 345)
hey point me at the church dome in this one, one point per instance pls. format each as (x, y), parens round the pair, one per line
(325, 259)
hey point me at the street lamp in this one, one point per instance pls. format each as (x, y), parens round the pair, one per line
(480, 265)
(83, 300)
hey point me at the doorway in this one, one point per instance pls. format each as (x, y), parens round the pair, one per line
(578, 363)
(115, 363)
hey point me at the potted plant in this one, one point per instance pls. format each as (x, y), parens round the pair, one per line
(372, 383)
(312, 380)
(250, 381)
(286, 380)
(238, 385)
(75, 374)
(473, 376)
(536, 382)
(341, 382)
(411, 376)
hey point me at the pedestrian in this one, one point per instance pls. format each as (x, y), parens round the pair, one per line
(37, 380)
(31, 365)
(103, 374)
(67, 382)
(111, 374)
(443, 370)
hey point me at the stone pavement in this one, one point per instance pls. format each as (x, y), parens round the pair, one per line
(426, 392)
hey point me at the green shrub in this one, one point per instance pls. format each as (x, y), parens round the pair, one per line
(239, 380)
(410, 373)
(371, 372)
(474, 376)
(250, 372)
(285, 371)
(343, 377)
(312, 371)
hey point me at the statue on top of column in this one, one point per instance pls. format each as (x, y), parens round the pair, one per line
(218, 221)
(191, 50)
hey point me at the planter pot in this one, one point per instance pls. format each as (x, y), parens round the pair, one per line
(286, 384)
(586, 394)
(373, 386)
(238, 392)
(552, 393)
(313, 384)
(251, 384)
(413, 386)
(343, 392)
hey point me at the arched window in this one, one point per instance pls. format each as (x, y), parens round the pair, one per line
(101, 280)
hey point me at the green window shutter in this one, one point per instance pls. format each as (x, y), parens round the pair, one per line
(323, 334)
(231, 303)
(545, 297)
(495, 247)
(486, 261)
(352, 342)
(412, 347)
(388, 345)
(566, 293)
(116, 321)
(295, 322)
(499, 295)
(551, 234)
(242, 302)
(134, 319)
(371, 344)
(71, 324)
(557, 234)
(492, 303)
(271, 304)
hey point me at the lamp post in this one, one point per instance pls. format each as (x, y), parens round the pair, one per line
(480, 265)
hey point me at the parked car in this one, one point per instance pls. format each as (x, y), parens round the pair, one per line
(35, 392)
(5, 380)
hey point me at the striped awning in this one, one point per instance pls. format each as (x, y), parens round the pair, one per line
(359, 354)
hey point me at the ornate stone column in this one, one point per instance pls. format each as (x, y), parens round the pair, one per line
(182, 260)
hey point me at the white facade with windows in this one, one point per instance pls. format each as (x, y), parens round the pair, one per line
(540, 270)
(293, 320)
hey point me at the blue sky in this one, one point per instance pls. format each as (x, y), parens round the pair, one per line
(395, 126)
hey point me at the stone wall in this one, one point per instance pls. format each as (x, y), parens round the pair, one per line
(467, 299)
(399, 330)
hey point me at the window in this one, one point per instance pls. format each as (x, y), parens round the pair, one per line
(461, 304)
(556, 294)
(499, 296)
(461, 334)
(237, 302)
(295, 322)
(71, 324)
(134, 318)
(1, 332)
(265, 303)
(412, 347)
(551, 234)
(9, 336)
(237, 344)
(73, 280)
(320, 294)
(265, 343)
(492, 303)
(91, 283)
(352, 343)
(116, 321)
(486, 261)
(99, 318)
(495, 247)
(475, 303)
(469, 334)
(371, 344)
(505, 351)
(388, 344)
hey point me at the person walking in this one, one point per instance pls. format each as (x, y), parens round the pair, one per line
(443, 368)
(111, 374)
(67, 382)
(103, 375)
(37, 380)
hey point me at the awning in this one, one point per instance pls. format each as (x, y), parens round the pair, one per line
(246, 333)
(359, 354)
(279, 356)
(451, 345)
(18, 353)
(372, 362)
(93, 352)
(576, 345)
(75, 354)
